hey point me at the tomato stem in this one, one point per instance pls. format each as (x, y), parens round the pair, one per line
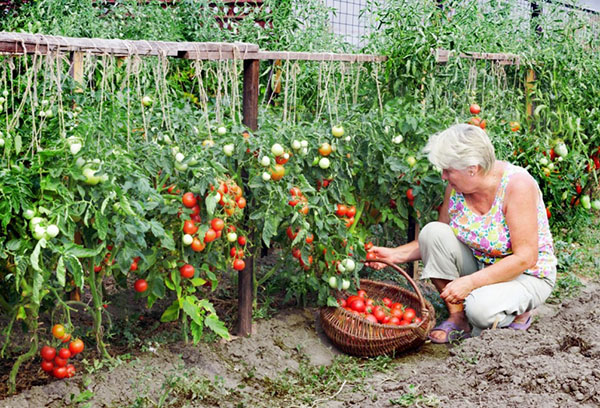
(32, 324)
(97, 313)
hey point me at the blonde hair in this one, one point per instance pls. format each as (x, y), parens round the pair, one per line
(459, 147)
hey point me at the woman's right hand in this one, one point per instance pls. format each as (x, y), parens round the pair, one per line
(383, 253)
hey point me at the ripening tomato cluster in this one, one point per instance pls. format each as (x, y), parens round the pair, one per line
(56, 363)
(384, 312)
(476, 120)
(347, 211)
(298, 198)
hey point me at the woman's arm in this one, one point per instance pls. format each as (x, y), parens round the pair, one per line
(520, 212)
(408, 252)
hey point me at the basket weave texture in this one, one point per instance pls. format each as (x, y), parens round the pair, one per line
(357, 336)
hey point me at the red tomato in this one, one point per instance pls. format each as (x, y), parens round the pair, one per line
(189, 200)
(387, 301)
(242, 240)
(474, 109)
(48, 353)
(197, 245)
(59, 372)
(97, 269)
(361, 294)
(76, 346)
(342, 302)
(195, 210)
(187, 271)
(394, 320)
(241, 202)
(210, 235)
(379, 315)
(397, 313)
(239, 264)
(341, 210)
(60, 362)
(295, 191)
(352, 299)
(410, 195)
(70, 370)
(371, 256)
(351, 212)
(296, 253)
(232, 252)
(358, 305)
(578, 188)
(403, 322)
(396, 305)
(47, 366)
(217, 224)
(291, 235)
(140, 285)
(310, 238)
(368, 246)
(133, 267)
(349, 222)
(293, 202)
(371, 318)
(66, 338)
(64, 353)
(409, 314)
(190, 227)
(548, 213)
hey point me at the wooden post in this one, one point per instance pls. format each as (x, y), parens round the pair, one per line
(529, 81)
(76, 72)
(246, 276)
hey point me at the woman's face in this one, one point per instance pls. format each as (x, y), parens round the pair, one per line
(460, 180)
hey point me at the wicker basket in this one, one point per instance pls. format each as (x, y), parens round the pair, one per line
(357, 336)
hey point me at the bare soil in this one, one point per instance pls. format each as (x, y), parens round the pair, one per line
(556, 363)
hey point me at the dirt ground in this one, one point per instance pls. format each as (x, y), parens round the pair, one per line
(556, 363)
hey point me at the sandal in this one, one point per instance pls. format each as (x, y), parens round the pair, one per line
(521, 326)
(453, 333)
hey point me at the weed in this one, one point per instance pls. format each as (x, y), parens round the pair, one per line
(415, 398)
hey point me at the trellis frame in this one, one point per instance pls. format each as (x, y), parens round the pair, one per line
(24, 43)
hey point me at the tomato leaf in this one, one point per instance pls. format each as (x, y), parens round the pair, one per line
(211, 204)
(60, 271)
(77, 251)
(35, 255)
(76, 270)
(101, 225)
(197, 331)
(191, 309)
(38, 280)
(212, 322)
(206, 305)
(172, 312)
(18, 144)
(13, 244)
(270, 228)
(332, 302)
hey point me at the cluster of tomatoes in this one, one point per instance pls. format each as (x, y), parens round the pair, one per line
(298, 198)
(56, 363)
(347, 211)
(385, 311)
(476, 120)
(296, 252)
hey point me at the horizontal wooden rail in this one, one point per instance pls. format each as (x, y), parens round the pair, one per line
(24, 43)
(442, 56)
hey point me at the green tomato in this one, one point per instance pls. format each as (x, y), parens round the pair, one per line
(90, 176)
(228, 149)
(187, 239)
(39, 232)
(596, 205)
(146, 100)
(324, 163)
(277, 149)
(28, 214)
(585, 202)
(411, 161)
(52, 230)
(337, 131)
(349, 264)
(345, 284)
(35, 221)
(333, 282)
(561, 149)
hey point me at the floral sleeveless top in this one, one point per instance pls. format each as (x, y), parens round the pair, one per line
(488, 236)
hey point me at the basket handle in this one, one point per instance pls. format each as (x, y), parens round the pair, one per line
(409, 279)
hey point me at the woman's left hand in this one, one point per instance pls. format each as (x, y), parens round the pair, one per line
(457, 290)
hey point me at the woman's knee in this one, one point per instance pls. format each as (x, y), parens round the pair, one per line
(434, 232)
(481, 312)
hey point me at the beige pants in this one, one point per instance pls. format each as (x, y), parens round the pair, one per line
(445, 257)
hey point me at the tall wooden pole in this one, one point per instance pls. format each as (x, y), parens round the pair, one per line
(246, 276)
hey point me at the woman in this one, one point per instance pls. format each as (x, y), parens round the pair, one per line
(490, 255)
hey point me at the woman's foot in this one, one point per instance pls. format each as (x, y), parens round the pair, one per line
(522, 321)
(456, 327)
